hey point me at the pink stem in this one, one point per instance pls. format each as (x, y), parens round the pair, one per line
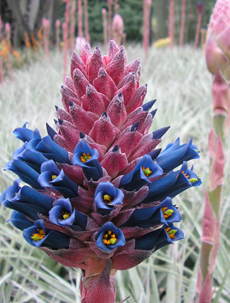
(1, 66)
(103, 11)
(57, 25)
(110, 17)
(182, 22)
(171, 23)
(80, 33)
(147, 8)
(9, 66)
(72, 26)
(87, 36)
(65, 36)
(46, 27)
(67, 13)
(198, 29)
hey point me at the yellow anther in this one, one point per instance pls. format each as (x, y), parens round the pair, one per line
(167, 212)
(107, 198)
(171, 232)
(109, 238)
(38, 236)
(193, 180)
(113, 240)
(53, 177)
(66, 215)
(146, 171)
(85, 157)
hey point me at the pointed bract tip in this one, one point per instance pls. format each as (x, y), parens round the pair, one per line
(51, 132)
(154, 154)
(153, 112)
(82, 135)
(71, 103)
(105, 115)
(148, 105)
(160, 132)
(135, 126)
(115, 148)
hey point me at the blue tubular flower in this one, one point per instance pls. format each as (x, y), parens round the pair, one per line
(86, 158)
(146, 217)
(32, 158)
(159, 238)
(37, 235)
(51, 177)
(175, 154)
(170, 212)
(53, 151)
(30, 202)
(24, 134)
(138, 177)
(24, 172)
(109, 237)
(19, 220)
(106, 197)
(62, 214)
(172, 184)
(10, 192)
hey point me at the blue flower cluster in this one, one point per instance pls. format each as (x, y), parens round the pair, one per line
(56, 207)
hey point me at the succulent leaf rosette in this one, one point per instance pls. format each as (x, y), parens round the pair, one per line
(99, 193)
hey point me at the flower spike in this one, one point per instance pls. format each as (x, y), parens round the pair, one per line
(100, 191)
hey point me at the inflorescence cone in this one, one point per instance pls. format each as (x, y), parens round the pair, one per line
(99, 193)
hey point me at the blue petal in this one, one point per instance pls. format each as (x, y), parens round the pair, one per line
(53, 151)
(24, 172)
(107, 188)
(11, 191)
(53, 239)
(135, 179)
(91, 168)
(109, 226)
(24, 134)
(175, 154)
(153, 240)
(34, 199)
(19, 220)
(145, 218)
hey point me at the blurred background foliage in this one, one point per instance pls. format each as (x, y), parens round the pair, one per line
(26, 16)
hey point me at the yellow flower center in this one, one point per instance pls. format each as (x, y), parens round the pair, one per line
(146, 171)
(109, 238)
(107, 199)
(39, 235)
(85, 157)
(171, 232)
(192, 180)
(53, 177)
(66, 214)
(167, 212)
